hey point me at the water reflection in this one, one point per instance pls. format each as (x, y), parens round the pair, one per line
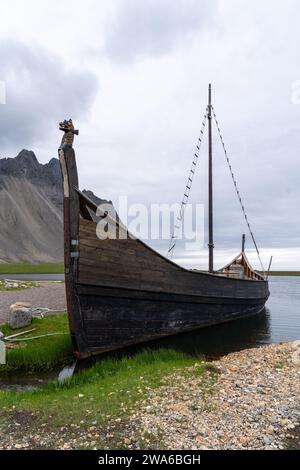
(26, 382)
(218, 340)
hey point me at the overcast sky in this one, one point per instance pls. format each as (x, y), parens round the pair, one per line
(133, 75)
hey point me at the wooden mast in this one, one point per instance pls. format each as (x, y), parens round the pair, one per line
(243, 243)
(210, 187)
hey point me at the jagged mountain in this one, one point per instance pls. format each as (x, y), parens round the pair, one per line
(31, 209)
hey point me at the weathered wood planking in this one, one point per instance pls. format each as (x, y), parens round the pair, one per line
(112, 323)
(130, 263)
(71, 232)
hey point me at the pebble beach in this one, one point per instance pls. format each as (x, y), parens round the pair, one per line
(247, 400)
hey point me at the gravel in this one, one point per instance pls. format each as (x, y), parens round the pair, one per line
(250, 401)
(49, 295)
(245, 400)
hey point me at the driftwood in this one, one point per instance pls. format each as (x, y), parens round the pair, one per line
(36, 337)
(18, 334)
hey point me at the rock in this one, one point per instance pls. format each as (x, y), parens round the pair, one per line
(20, 304)
(284, 422)
(291, 426)
(1, 335)
(268, 440)
(19, 315)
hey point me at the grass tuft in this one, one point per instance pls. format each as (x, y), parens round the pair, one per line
(42, 354)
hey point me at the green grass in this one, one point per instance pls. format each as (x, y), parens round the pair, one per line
(27, 268)
(42, 354)
(280, 365)
(107, 393)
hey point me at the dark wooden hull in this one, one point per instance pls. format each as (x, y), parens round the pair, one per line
(119, 318)
(121, 292)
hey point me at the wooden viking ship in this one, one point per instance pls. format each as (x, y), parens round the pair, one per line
(121, 292)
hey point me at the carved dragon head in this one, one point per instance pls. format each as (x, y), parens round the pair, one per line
(68, 128)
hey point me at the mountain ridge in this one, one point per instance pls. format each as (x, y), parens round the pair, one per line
(31, 209)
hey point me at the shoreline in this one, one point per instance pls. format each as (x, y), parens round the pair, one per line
(246, 400)
(251, 402)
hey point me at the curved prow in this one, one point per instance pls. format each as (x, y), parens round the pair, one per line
(71, 230)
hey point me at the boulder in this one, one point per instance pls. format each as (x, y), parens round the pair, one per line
(19, 315)
(20, 304)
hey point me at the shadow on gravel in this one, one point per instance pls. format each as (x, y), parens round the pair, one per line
(293, 441)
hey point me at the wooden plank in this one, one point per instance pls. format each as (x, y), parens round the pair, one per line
(172, 282)
(114, 264)
(71, 229)
(161, 296)
(140, 246)
(84, 210)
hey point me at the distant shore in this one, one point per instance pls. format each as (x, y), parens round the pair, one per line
(58, 268)
(28, 268)
(284, 273)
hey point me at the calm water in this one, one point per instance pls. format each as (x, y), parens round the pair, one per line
(33, 277)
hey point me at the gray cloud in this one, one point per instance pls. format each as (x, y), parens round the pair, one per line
(151, 27)
(140, 137)
(39, 90)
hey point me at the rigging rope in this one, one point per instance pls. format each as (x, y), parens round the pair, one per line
(187, 189)
(237, 190)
